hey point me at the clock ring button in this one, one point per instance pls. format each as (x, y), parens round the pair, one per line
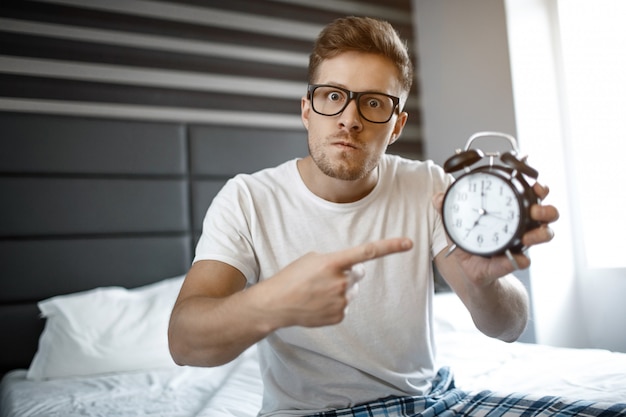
(462, 160)
(511, 160)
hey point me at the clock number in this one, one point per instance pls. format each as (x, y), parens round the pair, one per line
(458, 223)
(480, 239)
(486, 185)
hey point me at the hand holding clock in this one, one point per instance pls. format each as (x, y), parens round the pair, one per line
(496, 300)
(491, 214)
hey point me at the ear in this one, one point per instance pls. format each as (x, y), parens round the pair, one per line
(305, 109)
(397, 128)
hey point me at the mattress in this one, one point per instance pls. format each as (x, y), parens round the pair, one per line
(235, 389)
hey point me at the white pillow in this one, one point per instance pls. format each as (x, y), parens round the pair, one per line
(108, 329)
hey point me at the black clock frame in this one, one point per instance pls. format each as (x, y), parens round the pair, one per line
(512, 170)
(525, 198)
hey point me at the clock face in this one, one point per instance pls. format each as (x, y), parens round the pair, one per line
(481, 213)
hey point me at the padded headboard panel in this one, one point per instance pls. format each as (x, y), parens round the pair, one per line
(96, 202)
(121, 120)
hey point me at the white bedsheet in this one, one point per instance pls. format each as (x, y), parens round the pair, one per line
(235, 390)
(231, 390)
(481, 363)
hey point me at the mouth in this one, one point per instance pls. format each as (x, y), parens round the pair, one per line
(343, 144)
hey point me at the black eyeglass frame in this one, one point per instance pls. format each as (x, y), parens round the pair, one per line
(352, 95)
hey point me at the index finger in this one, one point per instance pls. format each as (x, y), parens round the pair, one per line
(371, 250)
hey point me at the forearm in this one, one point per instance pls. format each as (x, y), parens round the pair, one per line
(208, 331)
(497, 302)
(500, 309)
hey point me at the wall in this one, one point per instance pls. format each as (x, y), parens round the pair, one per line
(463, 72)
(241, 62)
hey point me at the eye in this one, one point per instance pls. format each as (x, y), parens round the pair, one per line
(335, 96)
(373, 103)
(376, 102)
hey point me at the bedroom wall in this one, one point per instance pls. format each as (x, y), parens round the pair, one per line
(464, 72)
(241, 62)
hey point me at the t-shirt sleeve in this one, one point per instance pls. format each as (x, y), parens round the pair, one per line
(441, 182)
(226, 234)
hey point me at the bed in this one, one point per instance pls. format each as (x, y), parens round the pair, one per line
(132, 375)
(99, 221)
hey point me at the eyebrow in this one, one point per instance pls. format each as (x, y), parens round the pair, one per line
(346, 87)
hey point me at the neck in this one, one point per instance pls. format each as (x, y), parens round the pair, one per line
(333, 189)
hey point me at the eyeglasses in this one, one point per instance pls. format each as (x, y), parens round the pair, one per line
(329, 100)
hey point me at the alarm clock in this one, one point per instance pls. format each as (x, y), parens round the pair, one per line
(486, 210)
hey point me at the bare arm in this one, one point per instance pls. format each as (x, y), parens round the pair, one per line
(199, 330)
(497, 301)
(214, 319)
(499, 307)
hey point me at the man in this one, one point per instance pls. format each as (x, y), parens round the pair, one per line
(283, 251)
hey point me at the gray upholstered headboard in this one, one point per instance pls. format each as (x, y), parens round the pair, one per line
(96, 202)
(119, 121)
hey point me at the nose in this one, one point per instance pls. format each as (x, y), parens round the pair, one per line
(350, 118)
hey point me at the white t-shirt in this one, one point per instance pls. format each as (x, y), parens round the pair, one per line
(260, 223)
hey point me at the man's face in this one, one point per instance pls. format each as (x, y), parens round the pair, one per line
(346, 146)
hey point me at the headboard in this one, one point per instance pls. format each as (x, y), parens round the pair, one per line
(121, 120)
(98, 202)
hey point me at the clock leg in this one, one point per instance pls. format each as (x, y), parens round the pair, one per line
(512, 259)
(450, 250)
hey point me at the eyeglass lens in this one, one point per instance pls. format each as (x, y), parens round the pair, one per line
(375, 107)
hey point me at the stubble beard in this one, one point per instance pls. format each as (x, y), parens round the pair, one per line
(342, 167)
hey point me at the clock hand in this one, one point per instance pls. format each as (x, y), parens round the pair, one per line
(481, 213)
(497, 216)
(484, 212)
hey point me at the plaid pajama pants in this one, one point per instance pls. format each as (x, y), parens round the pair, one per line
(446, 401)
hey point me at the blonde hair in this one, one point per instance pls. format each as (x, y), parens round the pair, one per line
(362, 34)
